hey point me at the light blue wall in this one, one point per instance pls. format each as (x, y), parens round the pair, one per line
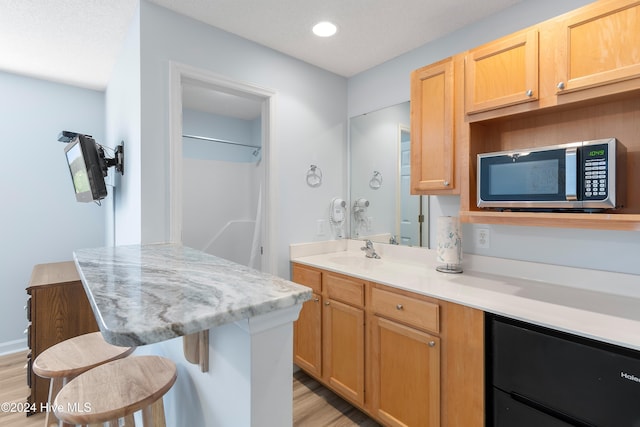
(388, 84)
(123, 119)
(40, 220)
(208, 125)
(309, 121)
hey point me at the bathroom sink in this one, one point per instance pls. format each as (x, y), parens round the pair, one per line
(352, 259)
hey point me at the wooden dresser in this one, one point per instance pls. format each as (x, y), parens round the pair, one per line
(57, 309)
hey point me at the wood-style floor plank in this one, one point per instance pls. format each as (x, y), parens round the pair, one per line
(14, 390)
(313, 404)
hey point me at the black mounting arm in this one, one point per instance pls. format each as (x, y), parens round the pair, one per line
(117, 161)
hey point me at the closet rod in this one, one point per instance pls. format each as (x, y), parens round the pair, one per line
(204, 138)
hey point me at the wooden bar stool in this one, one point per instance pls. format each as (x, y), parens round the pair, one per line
(116, 390)
(70, 358)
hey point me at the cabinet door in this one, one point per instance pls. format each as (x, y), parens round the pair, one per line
(343, 358)
(307, 336)
(599, 45)
(405, 374)
(307, 330)
(432, 132)
(501, 73)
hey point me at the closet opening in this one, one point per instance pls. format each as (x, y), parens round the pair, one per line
(220, 175)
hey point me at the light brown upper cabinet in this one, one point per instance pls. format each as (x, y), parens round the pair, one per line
(502, 73)
(432, 129)
(598, 45)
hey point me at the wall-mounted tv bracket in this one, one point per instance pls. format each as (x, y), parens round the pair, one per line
(117, 161)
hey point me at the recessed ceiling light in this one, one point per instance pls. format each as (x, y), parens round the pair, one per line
(324, 29)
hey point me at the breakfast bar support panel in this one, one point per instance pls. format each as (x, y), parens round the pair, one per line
(249, 379)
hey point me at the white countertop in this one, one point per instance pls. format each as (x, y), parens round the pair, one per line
(142, 294)
(595, 304)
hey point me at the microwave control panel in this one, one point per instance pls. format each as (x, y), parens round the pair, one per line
(595, 172)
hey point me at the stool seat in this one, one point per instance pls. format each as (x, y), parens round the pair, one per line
(116, 390)
(77, 355)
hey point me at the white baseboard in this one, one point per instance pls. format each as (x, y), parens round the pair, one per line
(13, 346)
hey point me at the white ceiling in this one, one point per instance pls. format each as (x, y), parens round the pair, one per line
(77, 41)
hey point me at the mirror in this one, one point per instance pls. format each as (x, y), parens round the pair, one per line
(382, 209)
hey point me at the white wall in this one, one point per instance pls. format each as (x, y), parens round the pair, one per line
(40, 220)
(309, 119)
(388, 84)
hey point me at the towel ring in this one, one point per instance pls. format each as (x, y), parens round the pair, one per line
(314, 176)
(376, 181)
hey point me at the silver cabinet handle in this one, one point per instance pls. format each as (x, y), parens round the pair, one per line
(399, 307)
(560, 85)
(446, 183)
(316, 299)
(529, 93)
(432, 343)
(326, 303)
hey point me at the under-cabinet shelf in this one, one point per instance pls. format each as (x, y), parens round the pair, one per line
(602, 221)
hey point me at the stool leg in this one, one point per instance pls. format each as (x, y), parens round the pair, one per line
(129, 421)
(55, 385)
(153, 415)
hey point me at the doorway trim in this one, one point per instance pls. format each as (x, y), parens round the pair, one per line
(180, 73)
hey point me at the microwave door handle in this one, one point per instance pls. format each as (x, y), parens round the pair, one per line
(571, 173)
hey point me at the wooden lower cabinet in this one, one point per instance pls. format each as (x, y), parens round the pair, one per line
(405, 374)
(343, 349)
(307, 330)
(57, 309)
(404, 359)
(307, 345)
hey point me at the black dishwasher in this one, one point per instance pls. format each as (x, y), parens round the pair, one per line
(538, 377)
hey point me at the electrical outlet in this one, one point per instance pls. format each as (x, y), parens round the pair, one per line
(320, 227)
(483, 238)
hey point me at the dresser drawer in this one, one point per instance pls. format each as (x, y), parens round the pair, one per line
(345, 289)
(307, 277)
(421, 314)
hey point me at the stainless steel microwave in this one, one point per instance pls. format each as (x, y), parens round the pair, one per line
(579, 176)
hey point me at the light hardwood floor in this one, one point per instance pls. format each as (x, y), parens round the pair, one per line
(313, 404)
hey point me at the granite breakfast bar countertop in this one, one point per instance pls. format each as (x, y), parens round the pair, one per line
(150, 295)
(143, 294)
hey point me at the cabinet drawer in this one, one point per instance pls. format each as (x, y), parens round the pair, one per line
(307, 277)
(344, 289)
(421, 314)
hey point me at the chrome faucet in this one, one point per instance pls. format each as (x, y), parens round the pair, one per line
(370, 251)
